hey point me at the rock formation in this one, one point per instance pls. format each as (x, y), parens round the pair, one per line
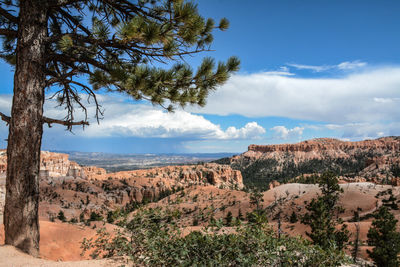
(369, 160)
(63, 183)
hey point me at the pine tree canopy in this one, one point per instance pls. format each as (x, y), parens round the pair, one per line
(119, 45)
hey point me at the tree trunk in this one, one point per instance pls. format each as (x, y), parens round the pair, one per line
(21, 221)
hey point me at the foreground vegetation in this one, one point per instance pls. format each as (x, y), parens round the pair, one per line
(153, 238)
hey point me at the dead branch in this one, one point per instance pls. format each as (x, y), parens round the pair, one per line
(49, 121)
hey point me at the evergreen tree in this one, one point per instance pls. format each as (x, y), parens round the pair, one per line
(117, 46)
(321, 215)
(228, 219)
(256, 199)
(356, 243)
(293, 217)
(386, 241)
(61, 216)
(240, 215)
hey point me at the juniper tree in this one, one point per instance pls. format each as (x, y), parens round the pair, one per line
(119, 46)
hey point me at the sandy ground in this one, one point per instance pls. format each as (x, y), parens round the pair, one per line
(12, 257)
(62, 241)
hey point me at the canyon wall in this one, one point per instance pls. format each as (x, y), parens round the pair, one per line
(369, 160)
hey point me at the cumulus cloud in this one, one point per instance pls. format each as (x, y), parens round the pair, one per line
(127, 119)
(361, 97)
(281, 132)
(250, 131)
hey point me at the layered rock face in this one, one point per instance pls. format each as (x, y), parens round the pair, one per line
(51, 165)
(388, 144)
(369, 160)
(222, 176)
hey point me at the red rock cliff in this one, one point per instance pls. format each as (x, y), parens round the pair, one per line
(323, 144)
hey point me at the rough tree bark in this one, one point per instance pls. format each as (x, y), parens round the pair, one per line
(25, 130)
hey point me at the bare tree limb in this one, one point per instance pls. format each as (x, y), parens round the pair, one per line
(8, 32)
(69, 124)
(49, 121)
(5, 118)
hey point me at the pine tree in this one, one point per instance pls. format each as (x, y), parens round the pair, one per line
(256, 198)
(293, 217)
(321, 215)
(386, 241)
(240, 215)
(356, 243)
(117, 46)
(228, 219)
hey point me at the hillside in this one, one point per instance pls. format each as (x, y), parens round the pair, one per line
(369, 160)
(79, 191)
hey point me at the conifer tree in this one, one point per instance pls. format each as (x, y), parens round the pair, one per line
(228, 219)
(119, 46)
(321, 215)
(293, 217)
(386, 241)
(356, 243)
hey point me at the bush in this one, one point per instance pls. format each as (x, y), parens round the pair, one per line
(95, 216)
(61, 216)
(157, 241)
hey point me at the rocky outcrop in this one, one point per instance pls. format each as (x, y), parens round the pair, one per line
(388, 144)
(57, 165)
(63, 183)
(222, 176)
(368, 160)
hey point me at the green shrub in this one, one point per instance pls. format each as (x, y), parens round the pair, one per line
(152, 238)
(95, 216)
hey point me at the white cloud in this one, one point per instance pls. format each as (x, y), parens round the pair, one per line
(282, 71)
(250, 131)
(350, 65)
(281, 132)
(353, 98)
(309, 67)
(124, 119)
(278, 73)
(365, 130)
(347, 65)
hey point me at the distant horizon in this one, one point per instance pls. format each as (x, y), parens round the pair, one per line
(202, 153)
(309, 69)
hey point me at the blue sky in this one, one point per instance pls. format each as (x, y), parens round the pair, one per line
(309, 69)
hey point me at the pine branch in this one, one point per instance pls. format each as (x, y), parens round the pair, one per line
(8, 15)
(74, 21)
(8, 32)
(61, 3)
